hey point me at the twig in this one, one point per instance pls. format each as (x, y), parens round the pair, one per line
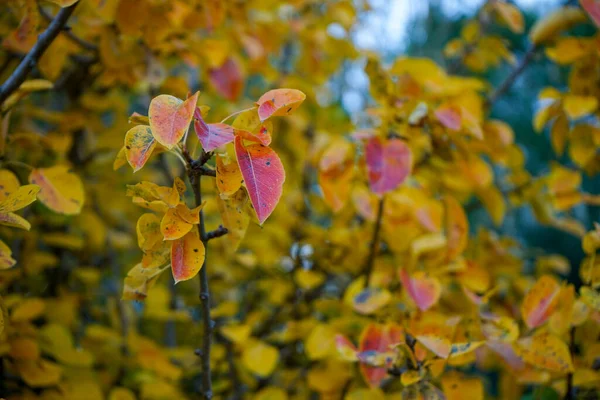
(69, 33)
(195, 180)
(44, 40)
(220, 231)
(236, 384)
(374, 242)
(510, 79)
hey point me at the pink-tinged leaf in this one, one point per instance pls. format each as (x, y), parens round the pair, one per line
(369, 300)
(449, 116)
(592, 7)
(279, 102)
(424, 290)
(187, 256)
(139, 144)
(263, 176)
(540, 301)
(508, 353)
(372, 340)
(211, 136)
(376, 347)
(262, 136)
(170, 118)
(346, 348)
(227, 79)
(388, 164)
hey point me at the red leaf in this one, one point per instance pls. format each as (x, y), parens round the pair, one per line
(227, 79)
(592, 7)
(263, 176)
(211, 136)
(388, 164)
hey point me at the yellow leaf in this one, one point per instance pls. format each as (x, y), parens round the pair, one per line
(39, 373)
(260, 358)
(545, 351)
(237, 333)
(547, 28)
(271, 393)
(10, 183)
(28, 310)
(172, 226)
(15, 221)
(229, 177)
(61, 190)
(6, 260)
(20, 198)
(321, 342)
(579, 106)
(540, 301)
(308, 279)
(234, 218)
(511, 15)
(456, 386)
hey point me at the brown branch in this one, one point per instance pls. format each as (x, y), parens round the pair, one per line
(220, 231)
(69, 33)
(195, 180)
(512, 77)
(44, 40)
(374, 242)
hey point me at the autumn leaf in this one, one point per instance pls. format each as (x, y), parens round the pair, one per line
(260, 358)
(263, 176)
(229, 177)
(139, 144)
(424, 290)
(545, 351)
(279, 102)
(187, 256)
(540, 301)
(212, 136)
(388, 163)
(227, 79)
(170, 118)
(61, 190)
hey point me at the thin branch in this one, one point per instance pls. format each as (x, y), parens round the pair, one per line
(69, 33)
(374, 242)
(512, 77)
(44, 40)
(195, 180)
(220, 231)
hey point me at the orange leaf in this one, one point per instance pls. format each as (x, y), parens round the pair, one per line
(279, 102)
(187, 257)
(540, 301)
(170, 118)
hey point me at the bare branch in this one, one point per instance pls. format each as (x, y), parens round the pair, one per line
(31, 59)
(510, 79)
(69, 33)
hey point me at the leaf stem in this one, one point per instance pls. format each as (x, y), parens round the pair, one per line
(236, 113)
(30, 60)
(374, 242)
